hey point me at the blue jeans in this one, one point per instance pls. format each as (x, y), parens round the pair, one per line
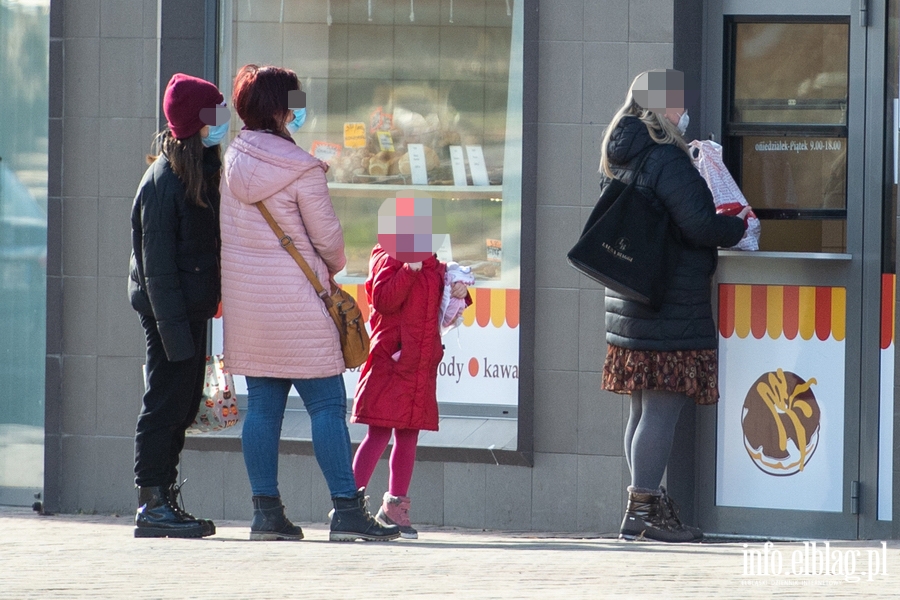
(325, 400)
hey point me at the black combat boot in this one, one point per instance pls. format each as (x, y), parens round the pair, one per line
(670, 513)
(156, 517)
(645, 519)
(269, 521)
(209, 528)
(351, 521)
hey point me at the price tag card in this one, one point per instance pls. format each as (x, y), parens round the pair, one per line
(458, 162)
(325, 150)
(494, 250)
(417, 167)
(477, 166)
(355, 135)
(385, 141)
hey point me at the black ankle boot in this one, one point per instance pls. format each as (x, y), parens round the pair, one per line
(670, 513)
(209, 528)
(269, 521)
(351, 521)
(156, 517)
(645, 519)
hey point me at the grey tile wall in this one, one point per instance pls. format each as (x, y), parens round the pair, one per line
(79, 393)
(554, 497)
(599, 505)
(465, 495)
(560, 74)
(588, 53)
(81, 77)
(121, 19)
(651, 21)
(79, 317)
(79, 228)
(606, 20)
(556, 412)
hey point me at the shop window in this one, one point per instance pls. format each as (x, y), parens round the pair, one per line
(786, 129)
(391, 85)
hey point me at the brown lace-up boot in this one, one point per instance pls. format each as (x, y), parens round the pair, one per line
(670, 513)
(645, 519)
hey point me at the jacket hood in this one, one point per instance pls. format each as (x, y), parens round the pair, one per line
(628, 140)
(259, 165)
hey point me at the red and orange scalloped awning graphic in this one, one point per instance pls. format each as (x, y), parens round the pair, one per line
(490, 306)
(782, 311)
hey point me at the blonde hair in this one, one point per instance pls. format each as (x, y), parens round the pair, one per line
(661, 130)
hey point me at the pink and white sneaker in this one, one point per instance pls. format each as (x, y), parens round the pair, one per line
(395, 511)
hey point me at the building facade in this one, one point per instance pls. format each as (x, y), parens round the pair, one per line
(522, 90)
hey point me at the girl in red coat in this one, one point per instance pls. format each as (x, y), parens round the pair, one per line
(397, 388)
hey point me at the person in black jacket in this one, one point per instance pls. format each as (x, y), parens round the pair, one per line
(174, 285)
(663, 358)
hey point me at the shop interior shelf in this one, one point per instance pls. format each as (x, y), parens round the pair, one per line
(369, 190)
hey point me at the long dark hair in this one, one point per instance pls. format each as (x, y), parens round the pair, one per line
(186, 158)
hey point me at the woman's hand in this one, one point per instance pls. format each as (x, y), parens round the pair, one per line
(459, 290)
(744, 212)
(415, 266)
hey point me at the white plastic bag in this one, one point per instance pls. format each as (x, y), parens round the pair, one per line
(727, 195)
(218, 403)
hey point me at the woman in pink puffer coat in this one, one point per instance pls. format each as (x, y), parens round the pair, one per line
(277, 331)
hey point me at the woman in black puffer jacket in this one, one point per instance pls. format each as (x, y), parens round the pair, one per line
(663, 358)
(174, 286)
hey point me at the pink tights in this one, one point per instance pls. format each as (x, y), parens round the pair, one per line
(403, 457)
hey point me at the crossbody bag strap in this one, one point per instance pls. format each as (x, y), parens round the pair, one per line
(288, 244)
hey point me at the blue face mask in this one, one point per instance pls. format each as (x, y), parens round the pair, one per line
(216, 134)
(299, 119)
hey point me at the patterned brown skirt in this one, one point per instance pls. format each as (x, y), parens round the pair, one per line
(691, 372)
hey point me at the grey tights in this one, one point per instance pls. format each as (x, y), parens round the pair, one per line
(649, 434)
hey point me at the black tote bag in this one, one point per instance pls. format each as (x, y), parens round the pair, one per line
(627, 244)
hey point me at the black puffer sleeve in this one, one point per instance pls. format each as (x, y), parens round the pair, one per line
(683, 191)
(159, 227)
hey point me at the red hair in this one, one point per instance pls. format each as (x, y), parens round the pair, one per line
(261, 96)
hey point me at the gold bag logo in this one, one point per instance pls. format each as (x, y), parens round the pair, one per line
(780, 420)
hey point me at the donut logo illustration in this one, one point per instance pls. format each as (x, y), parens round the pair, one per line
(781, 421)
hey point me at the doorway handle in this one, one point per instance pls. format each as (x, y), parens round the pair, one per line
(864, 13)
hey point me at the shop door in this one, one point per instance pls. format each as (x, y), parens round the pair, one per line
(796, 97)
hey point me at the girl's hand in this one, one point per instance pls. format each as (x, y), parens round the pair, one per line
(459, 290)
(744, 212)
(415, 266)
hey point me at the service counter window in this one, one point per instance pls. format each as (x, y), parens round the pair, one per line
(416, 99)
(786, 129)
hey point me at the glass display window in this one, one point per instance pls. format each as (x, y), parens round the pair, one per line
(419, 99)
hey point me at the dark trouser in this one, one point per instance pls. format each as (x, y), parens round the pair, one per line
(170, 404)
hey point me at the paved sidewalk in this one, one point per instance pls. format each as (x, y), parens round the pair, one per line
(81, 556)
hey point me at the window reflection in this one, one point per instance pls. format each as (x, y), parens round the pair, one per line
(791, 73)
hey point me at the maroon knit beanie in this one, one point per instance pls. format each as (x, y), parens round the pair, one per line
(185, 97)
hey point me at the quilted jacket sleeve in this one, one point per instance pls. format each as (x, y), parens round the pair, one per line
(159, 222)
(689, 202)
(391, 284)
(322, 225)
